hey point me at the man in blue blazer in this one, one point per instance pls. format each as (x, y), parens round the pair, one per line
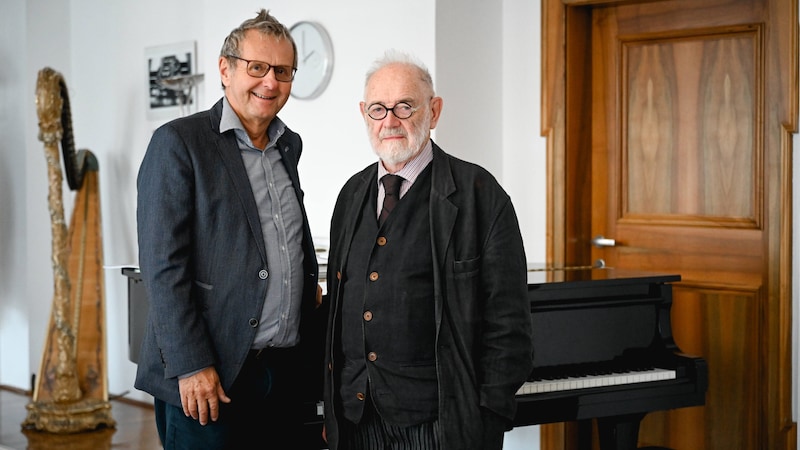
(231, 347)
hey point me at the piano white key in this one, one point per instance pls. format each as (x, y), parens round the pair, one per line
(574, 383)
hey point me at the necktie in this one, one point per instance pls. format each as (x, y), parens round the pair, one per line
(391, 185)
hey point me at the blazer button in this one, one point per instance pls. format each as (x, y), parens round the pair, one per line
(338, 275)
(253, 322)
(381, 241)
(360, 396)
(367, 315)
(263, 274)
(373, 276)
(372, 356)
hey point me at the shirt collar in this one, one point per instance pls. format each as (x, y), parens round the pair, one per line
(230, 121)
(413, 167)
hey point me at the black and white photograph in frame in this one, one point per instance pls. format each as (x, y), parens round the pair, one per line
(171, 79)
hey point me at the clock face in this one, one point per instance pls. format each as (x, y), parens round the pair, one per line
(314, 60)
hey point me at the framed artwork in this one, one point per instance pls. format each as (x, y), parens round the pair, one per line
(171, 80)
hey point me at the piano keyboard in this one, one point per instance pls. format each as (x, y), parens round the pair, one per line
(593, 381)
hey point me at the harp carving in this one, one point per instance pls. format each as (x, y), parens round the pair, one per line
(71, 393)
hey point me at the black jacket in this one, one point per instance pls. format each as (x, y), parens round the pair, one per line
(483, 325)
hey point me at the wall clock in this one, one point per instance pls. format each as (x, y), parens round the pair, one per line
(314, 59)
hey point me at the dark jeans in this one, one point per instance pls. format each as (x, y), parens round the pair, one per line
(265, 409)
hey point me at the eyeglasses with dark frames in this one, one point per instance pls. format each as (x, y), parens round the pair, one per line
(401, 110)
(260, 69)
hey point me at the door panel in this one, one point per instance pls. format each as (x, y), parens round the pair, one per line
(688, 139)
(677, 125)
(716, 323)
(677, 111)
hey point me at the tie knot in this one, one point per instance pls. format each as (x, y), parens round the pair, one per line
(391, 184)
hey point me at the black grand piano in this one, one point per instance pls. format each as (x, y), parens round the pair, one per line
(603, 350)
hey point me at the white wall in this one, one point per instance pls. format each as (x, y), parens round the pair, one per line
(13, 259)
(490, 118)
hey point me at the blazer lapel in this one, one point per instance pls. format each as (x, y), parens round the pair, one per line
(290, 160)
(229, 153)
(443, 212)
(359, 196)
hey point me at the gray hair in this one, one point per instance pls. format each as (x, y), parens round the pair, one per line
(393, 56)
(265, 24)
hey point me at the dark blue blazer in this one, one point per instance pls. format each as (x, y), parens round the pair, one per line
(202, 255)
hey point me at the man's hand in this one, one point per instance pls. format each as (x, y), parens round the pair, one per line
(201, 394)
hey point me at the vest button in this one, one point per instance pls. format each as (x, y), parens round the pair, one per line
(381, 241)
(372, 356)
(360, 396)
(263, 274)
(368, 315)
(373, 276)
(253, 322)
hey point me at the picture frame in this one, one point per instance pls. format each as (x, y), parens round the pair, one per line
(171, 80)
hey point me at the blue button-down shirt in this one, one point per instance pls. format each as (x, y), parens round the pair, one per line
(282, 229)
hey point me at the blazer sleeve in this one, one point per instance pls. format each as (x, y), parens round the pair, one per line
(507, 356)
(165, 210)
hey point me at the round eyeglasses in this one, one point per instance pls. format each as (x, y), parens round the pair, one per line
(402, 110)
(260, 69)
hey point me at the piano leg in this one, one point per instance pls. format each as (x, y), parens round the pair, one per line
(619, 432)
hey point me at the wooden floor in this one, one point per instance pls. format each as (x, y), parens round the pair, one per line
(135, 428)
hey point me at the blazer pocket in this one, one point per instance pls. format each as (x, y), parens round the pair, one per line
(466, 267)
(205, 286)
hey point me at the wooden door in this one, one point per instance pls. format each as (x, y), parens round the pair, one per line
(675, 141)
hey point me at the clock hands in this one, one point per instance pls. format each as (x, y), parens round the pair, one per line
(313, 60)
(305, 56)
(303, 43)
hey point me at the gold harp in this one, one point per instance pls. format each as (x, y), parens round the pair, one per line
(71, 393)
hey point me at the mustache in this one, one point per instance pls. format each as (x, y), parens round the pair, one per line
(392, 132)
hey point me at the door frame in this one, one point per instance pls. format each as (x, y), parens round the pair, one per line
(565, 120)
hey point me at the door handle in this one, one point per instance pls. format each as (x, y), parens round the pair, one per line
(600, 241)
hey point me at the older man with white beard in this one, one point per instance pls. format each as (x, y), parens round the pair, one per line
(429, 334)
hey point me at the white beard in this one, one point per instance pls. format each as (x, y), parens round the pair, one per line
(395, 152)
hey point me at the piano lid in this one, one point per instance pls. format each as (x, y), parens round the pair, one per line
(540, 274)
(586, 315)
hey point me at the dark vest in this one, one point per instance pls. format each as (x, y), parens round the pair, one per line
(387, 313)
